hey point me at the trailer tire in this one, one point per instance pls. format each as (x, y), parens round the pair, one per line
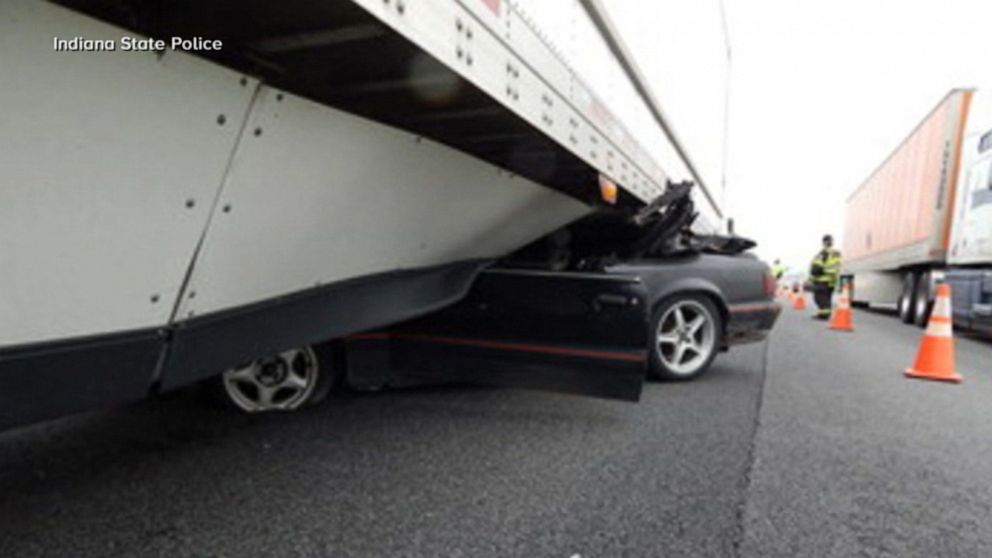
(682, 324)
(922, 302)
(907, 300)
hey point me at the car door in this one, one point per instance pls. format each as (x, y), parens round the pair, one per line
(582, 333)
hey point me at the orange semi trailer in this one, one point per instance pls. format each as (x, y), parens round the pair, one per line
(901, 235)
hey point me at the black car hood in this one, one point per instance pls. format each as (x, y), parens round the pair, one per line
(719, 244)
(667, 221)
(662, 229)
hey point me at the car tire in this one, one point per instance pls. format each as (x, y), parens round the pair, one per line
(686, 334)
(284, 382)
(922, 301)
(907, 299)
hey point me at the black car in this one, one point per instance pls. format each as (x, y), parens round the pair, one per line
(702, 304)
(591, 309)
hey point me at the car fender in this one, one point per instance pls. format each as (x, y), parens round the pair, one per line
(662, 290)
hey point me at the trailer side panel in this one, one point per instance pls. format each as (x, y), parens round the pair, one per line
(901, 215)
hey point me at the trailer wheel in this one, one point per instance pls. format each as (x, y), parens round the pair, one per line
(282, 382)
(907, 298)
(921, 300)
(686, 333)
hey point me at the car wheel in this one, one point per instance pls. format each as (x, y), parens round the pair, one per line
(686, 336)
(922, 301)
(906, 299)
(282, 382)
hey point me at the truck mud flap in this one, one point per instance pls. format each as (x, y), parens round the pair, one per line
(567, 332)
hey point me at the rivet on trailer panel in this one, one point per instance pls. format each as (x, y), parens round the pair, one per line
(400, 7)
(190, 202)
(192, 294)
(279, 97)
(154, 298)
(244, 82)
(258, 132)
(221, 119)
(227, 208)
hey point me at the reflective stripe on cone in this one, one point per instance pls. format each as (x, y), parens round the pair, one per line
(842, 320)
(935, 358)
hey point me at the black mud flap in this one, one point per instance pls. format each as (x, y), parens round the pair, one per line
(582, 333)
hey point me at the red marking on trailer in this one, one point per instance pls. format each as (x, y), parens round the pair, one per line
(493, 5)
(600, 112)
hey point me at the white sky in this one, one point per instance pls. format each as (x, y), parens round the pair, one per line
(823, 91)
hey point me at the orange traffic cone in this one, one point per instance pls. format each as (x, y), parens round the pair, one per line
(841, 319)
(799, 301)
(935, 358)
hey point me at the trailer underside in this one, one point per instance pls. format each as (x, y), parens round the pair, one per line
(338, 54)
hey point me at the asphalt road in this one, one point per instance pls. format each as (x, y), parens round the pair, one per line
(827, 452)
(852, 459)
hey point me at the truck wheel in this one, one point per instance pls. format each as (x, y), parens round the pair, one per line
(922, 301)
(282, 382)
(686, 332)
(907, 298)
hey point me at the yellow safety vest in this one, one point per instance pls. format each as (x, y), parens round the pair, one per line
(825, 267)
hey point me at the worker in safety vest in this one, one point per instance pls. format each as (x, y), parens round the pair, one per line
(824, 273)
(778, 270)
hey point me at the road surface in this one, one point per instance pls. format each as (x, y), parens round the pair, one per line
(810, 445)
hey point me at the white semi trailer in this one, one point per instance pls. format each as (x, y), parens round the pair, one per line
(925, 216)
(273, 174)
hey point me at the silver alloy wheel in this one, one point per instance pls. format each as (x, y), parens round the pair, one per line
(282, 382)
(686, 337)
